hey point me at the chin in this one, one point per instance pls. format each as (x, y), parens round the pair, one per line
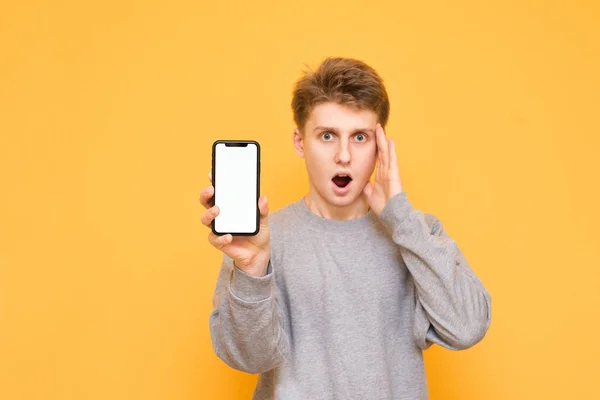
(343, 201)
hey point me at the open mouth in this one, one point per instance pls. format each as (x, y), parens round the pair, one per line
(341, 180)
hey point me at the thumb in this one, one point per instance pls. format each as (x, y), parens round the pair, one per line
(263, 206)
(368, 191)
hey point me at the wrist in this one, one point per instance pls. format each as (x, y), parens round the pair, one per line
(256, 267)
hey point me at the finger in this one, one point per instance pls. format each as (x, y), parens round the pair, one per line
(378, 170)
(206, 196)
(209, 216)
(382, 147)
(393, 156)
(379, 165)
(219, 242)
(378, 144)
(381, 162)
(263, 206)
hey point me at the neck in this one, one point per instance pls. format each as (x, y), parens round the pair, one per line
(317, 205)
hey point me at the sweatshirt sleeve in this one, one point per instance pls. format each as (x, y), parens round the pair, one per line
(246, 324)
(452, 307)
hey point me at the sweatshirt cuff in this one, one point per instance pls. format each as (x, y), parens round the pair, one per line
(396, 211)
(249, 288)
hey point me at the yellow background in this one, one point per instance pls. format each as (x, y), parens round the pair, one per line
(107, 115)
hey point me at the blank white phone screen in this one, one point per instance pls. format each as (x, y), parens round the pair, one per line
(236, 174)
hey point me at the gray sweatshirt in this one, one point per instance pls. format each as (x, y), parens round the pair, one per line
(347, 307)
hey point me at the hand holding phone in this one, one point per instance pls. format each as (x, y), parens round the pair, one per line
(248, 242)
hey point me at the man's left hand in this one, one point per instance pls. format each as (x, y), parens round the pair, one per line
(387, 176)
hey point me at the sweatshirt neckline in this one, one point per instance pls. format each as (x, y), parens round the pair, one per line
(317, 222)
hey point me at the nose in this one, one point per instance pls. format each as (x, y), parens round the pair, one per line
(342, 155)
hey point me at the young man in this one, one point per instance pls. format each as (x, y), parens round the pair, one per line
(340, 292)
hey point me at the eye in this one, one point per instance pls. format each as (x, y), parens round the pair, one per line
(327, 136)
(361, 137)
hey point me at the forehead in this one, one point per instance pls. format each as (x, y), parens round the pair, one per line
(342, 117)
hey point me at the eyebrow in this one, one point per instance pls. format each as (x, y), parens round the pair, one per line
(326, 128)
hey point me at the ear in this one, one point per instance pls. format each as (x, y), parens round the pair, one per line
(298, 143)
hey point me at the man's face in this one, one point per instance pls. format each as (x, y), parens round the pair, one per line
(340, 150)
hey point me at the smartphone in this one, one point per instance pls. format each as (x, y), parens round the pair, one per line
(236, 179)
